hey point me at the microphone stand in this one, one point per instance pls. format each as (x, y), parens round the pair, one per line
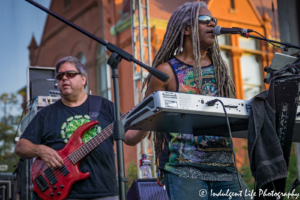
(284, 106)
(293, 68)
(286, 45)
(117, 55)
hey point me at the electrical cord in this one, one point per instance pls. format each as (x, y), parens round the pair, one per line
(267, 40)
(212, 103)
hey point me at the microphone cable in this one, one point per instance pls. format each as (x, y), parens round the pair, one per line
(267, 40)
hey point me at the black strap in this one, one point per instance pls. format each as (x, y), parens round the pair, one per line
(94, 106)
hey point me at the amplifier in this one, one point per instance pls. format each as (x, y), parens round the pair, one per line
(39, 103)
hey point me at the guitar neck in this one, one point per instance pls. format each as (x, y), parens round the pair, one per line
(92, 144)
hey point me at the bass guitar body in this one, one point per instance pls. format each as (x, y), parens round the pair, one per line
(50, 183)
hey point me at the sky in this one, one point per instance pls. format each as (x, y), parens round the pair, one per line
(19, 20)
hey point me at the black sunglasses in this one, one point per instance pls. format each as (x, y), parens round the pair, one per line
(69, 74)
(205, 19)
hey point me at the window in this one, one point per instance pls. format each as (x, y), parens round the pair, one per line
(224, 39)
(67, 4)
(227, 58)
(103, 73)
(252, 75)
(232, 5)
(81, 57)
(249, 43)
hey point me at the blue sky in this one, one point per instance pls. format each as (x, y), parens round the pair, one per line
(19, 20)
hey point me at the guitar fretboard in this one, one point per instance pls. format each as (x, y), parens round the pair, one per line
(88, 147)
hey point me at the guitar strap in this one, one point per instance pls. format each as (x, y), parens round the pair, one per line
(94, 106)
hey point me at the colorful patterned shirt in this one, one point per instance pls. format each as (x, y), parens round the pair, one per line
(207, 158)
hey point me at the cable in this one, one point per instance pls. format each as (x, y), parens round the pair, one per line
(24, 108)
(267, 40)
(212, 103)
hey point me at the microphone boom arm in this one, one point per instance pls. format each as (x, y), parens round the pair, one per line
(113, 48)
(286, 45)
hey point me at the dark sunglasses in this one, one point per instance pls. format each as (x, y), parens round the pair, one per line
(69, 74)
(205, 19)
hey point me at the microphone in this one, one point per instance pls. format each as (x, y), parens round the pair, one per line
(218, 30)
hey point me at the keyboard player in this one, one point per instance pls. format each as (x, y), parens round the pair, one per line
(193, 166)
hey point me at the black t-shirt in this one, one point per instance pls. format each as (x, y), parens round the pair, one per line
(53, 126)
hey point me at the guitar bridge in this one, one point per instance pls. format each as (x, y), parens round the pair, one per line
(41, 183)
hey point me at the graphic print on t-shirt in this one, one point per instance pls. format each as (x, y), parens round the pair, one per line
(72, 123)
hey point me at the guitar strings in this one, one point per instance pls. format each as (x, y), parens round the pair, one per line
(84, 148)
(67, 161)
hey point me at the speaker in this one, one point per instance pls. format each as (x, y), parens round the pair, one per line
(146, 189)
(40, 81)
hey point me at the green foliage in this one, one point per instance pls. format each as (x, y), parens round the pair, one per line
(292, 171)
(8, 125)
(131, 174)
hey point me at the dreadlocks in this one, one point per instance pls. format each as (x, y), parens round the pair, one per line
(187, 15)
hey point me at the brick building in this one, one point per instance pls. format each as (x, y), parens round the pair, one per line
(110, 21)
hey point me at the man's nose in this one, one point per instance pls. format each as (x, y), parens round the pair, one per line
(211, 23)
(65, 77)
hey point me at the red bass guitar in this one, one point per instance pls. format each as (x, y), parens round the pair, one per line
(56, 184)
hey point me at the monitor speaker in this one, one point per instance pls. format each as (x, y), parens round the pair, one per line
(146, 189)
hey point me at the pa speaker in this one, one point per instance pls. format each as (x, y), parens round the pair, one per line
(146, 189)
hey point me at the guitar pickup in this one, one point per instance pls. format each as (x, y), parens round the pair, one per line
(230, 106)
(41, 183)
(64, 170)
(50, 176)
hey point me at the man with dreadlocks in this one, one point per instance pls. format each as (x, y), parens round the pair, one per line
(192, 163)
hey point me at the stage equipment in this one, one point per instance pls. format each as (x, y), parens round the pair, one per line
(41, 82)
(286, 91)
(288, 65)
(146, 189)
(39, 103)
(283, 44)
(24, 165)
(218, 30)
(117, 55)
(287, 100)
(165, 111)
(7, 186)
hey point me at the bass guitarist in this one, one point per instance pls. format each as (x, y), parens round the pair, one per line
(53, 126)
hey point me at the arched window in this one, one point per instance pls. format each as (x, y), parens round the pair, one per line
(81, 57)
(103, 73)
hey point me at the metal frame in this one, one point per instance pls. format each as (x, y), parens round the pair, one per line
(139, 15)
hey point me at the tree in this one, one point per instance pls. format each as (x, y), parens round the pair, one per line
(8, 126)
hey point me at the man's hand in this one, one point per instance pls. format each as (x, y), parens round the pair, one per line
(26, 149)
(50, 157)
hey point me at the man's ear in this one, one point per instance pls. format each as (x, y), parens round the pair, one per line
(187, 30)
(83, 80)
